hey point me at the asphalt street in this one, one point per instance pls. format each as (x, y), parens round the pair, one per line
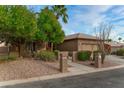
(104, 79)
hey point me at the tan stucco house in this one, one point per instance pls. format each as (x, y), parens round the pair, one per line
(78, 42)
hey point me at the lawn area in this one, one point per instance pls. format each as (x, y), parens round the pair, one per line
(27, 68)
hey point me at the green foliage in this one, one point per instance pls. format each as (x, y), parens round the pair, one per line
(50, 29)
(56, 53)
(17, 22)
(46, 55)
(18, 25)
(120, 52)
(84, 55)
(23, 23)
(60, 11)
(7, 58)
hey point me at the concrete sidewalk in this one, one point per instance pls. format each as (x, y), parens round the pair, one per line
(75, 69)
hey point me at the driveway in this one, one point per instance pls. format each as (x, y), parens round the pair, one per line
(115, 59)
(105, 79)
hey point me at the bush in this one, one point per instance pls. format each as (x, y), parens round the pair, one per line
(8, 58)
(113, 53)
(120, 52)
(56, 52)
(84, 55)
(46, 55)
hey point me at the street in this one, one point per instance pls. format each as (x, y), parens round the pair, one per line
(105, 79)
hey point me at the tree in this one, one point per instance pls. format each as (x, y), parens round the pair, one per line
(102, 34)
(119, 39)
(60, 11)
(5, 28)
(109, 40)
(21, 26)
(50, 30)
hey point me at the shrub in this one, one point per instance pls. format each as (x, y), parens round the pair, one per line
(113, 53)
(46, 55)
(56, 52)
(120, 52)
(84, 55)
(8, 58)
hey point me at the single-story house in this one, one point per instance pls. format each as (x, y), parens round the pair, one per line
(78, 42)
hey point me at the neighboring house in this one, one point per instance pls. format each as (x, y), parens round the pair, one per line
(114, 46)
(78, 42)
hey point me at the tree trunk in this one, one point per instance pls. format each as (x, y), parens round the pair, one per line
(51, 47)
(102, 58)
(34, 46)
(45, 45)
(8, 50)
(19, 50)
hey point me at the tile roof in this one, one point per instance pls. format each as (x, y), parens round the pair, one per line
(115, 44)
(79, 35)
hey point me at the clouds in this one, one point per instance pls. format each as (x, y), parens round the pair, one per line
(84, 18)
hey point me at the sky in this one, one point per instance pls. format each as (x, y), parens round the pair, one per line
(83, 19)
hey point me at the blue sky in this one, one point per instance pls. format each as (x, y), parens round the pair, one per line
(83, 19)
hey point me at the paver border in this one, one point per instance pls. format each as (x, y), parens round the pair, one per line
(55, 76)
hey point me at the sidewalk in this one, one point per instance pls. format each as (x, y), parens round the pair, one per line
(75, 69)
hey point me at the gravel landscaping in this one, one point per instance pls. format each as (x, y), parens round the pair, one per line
(27, 68)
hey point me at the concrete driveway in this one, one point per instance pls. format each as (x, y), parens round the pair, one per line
(115, 59)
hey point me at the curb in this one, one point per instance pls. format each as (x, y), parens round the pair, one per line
(55, 76)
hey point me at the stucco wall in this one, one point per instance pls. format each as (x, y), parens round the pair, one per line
(78, 45)
(90, 45)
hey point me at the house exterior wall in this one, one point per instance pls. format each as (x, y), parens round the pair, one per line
(87, 45)
(78, 45)
(69, 45)
(114, 49)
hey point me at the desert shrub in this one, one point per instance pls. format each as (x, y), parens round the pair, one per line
(46, 55)
(8, 58)
(120, 52)
(84, 55)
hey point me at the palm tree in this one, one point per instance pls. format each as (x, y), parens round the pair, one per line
(119, 39)
(60, 11)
